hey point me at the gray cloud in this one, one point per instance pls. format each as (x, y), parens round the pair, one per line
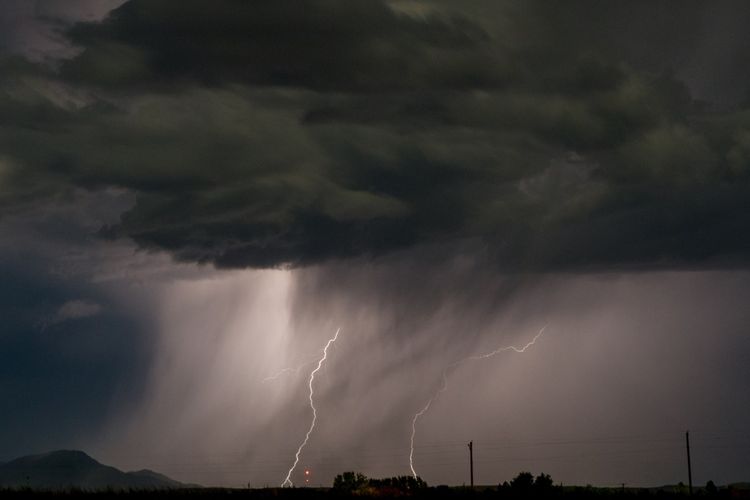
(71, 345)
(350, 129)
(72, 310)
(356, 45)
(34, 28)
(431, 172)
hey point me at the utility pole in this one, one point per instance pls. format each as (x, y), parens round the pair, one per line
(690, 470)
(471, 463)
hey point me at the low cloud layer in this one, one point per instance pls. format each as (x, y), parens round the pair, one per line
(255, 135)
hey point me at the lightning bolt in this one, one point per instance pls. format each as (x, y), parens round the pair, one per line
(285, 371)
(444, 386)
(287, 480)
(280, 373)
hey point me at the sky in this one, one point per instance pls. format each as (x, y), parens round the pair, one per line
(194, 198)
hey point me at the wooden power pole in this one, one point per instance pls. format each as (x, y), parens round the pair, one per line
(471, 463)
(690, 469)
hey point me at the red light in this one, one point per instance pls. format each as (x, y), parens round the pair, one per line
(307, 472)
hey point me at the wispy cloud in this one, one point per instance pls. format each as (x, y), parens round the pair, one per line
(72, 310)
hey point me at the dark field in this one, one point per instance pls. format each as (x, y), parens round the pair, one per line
(439, 492)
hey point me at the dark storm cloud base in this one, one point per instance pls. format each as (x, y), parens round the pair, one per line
(266, 134)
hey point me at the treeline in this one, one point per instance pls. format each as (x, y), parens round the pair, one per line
(358, 484)
(525, 486)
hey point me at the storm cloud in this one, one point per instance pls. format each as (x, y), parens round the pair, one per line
(257, 134)
(436, 178)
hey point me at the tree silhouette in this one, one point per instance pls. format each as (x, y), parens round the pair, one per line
(522, 482)
(350, 481)
(543, 482)
(711, 488)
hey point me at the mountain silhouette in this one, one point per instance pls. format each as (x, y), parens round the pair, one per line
(75, 469)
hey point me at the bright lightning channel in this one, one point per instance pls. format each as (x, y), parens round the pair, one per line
(287, 480)
(444, 386)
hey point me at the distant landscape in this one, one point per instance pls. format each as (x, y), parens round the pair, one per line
(73, 474)
(71, 469)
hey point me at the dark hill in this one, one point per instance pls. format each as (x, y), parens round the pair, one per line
(75, 469)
